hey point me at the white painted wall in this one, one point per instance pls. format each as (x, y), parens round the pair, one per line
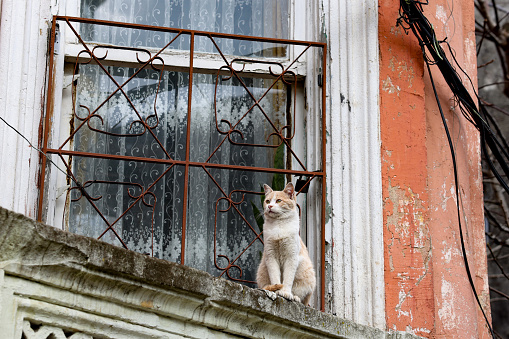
(23, 49)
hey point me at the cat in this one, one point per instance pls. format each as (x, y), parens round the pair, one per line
(285, 267)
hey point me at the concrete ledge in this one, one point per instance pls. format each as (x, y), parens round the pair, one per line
(49, 274)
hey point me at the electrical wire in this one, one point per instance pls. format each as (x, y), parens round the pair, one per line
(412, 18)
(77, 183)
(32, 145)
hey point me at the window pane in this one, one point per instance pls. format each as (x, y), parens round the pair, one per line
(138, 202)
(112, 125)
(264, 18)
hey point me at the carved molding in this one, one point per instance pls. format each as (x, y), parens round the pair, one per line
(355, 188)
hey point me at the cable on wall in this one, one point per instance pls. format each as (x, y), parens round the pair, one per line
(77, 183)
(412, 18)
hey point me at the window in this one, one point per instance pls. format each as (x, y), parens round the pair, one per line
(167, 135)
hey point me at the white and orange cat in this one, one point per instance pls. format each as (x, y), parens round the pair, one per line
(285, 267)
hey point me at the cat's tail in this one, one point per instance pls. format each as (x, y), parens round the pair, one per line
(273, 288)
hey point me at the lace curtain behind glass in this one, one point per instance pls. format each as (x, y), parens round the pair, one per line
(152, 223)
(264, 18)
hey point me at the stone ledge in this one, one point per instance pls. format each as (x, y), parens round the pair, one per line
(99, 274)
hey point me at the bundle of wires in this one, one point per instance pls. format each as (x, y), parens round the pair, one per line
(412, 18)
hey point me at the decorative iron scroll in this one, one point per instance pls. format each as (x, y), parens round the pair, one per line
(131, 163)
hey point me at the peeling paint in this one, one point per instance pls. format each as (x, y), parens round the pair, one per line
(417, 330)
(427, 292)
(389, 87)
(402, 69)
(446, 312)
(470, 57)
(450, 252)
(441, 14)
(408, 241)
(402, 297)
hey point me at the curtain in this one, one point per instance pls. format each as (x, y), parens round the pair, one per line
(264, 18)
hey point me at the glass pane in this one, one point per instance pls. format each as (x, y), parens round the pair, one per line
(233, 122)
(142, 201)
(118, 212)
(222, 238)
(264, 18)
(139, 202)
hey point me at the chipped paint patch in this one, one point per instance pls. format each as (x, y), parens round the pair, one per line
(450, 252)
(446, 312)
(409, 256)
(446, 196)
(389, 87)
(417, 331)
(402, 297)
(470, 57)
(441, 14)
(402, 69)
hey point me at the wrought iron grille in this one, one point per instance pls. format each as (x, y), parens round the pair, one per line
(139, 177)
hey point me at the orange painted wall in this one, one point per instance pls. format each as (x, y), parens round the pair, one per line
(427, 290)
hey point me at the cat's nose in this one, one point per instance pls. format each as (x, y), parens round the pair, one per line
(270, 207)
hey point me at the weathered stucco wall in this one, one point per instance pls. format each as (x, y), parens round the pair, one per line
(427, 290)
(52, 280)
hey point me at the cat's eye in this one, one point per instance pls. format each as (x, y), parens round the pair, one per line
(278, 201)
(267, 201)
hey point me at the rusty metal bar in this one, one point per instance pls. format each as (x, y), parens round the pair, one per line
(188, 143)
(189, 31)
(184, 163)
(120, 88)
(47, 120)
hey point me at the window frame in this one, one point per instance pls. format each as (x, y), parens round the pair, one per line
(65, 50)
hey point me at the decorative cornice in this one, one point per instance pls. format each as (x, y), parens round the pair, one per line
(57, 277)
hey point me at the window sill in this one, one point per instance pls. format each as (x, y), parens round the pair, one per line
(82, 285)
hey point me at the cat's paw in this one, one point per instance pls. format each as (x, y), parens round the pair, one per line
(286, 294)
(273, 288)
(296, 298)
(271, 295)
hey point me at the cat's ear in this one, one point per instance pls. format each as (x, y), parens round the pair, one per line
(290, 190)
(267, 189)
